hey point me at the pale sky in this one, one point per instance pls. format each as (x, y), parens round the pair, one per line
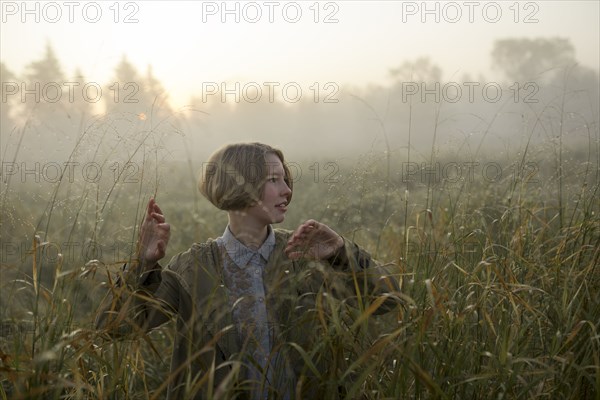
(188, 44)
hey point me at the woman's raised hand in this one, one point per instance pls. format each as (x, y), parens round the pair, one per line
(313, 240)
(154, 236)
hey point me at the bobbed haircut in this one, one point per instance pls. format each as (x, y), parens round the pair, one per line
(234, 176)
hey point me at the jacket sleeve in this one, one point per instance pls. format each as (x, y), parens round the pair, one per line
(366, 277)
(137, 303)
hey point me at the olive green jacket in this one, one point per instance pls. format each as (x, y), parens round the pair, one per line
(207, 356)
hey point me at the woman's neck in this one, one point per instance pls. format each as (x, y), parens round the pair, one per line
(246, 230)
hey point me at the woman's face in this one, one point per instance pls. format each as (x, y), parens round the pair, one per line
(273, 205)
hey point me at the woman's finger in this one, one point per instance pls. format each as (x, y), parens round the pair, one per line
(158, 217)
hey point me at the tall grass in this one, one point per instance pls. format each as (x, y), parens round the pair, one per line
(499, 280)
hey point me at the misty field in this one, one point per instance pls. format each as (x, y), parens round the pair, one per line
(497, 259)
(490, 219)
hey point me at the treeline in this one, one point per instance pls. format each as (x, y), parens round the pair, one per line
(48, 114)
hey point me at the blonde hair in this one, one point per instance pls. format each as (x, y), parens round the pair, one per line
(234, 176)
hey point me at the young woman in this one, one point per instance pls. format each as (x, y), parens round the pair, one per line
(244, 302)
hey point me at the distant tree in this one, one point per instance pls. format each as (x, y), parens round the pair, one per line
(527, 59)
(135, 95)
(42, 84)
(5, 74)
(420, 70)
(84, 98)
(585, 84)
(122, 91)
(44, 104)
(48, 69)
(152, 85)
(576, 91)
(136, 106)
(155, 94)
(8, 80)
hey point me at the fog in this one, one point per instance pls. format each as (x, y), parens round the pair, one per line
(327, 121)
(315, 90)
